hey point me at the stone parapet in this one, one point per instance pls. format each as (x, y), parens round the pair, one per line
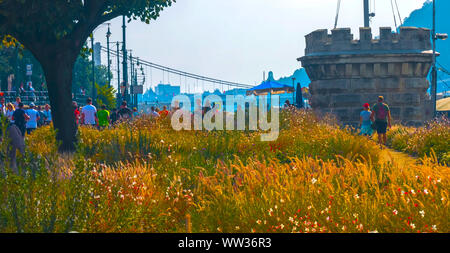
(346, 73)
(410, 39)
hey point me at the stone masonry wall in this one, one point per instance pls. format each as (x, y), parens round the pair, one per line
(347, 73)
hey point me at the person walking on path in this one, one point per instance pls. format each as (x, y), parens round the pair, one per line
(18, 101)
(113, 116)
(15, 142)
(153, 112)
(135, 112)
(89, 114)
(32, 122)
(365, 121)
(103, 118)
(20, 118)
(9, 112)
(164, 112)
(76, 112)
(47, 115)
(381, 115)
(124, 113)
(2, 106)
(41, 116)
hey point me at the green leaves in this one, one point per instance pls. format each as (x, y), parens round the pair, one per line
(106, 96)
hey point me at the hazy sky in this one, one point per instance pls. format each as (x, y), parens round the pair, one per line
(236, 40)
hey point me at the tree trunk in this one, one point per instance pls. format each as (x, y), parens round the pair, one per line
(58, 66)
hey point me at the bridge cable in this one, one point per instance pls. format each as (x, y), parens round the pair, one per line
(393, 13)
(398, 11)
(337, 14)
(193, 76)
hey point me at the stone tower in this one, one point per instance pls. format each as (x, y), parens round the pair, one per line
(346, 73)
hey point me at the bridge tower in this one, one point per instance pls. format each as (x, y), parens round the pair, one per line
(347, 73)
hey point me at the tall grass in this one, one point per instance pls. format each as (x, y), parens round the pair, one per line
(434, 137)
(145, 177)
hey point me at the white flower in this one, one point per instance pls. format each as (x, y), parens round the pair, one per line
(313, 180)
(281, 226)
(356, 196)
(258, 222)
(291, 219)
(425, 191)
(434, 227)
(395, 211)
(162, 141)
(422, 213)
(413, 226)
(281, 200)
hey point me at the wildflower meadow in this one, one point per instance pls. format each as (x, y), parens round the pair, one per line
(317, 177)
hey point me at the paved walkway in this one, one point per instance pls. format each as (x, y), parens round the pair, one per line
(399, 158)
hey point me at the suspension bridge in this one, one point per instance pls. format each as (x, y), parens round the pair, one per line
(142, 73)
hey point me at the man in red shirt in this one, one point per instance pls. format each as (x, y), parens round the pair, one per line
(164, 112)
(76, 112)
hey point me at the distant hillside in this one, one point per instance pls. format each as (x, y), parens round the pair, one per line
(300, 77)
(424, 18)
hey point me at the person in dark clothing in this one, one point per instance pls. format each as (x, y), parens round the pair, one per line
(41, 120)
(125, 113)
(113, 116)
(206, 108)
(381, 116)
(20, 119)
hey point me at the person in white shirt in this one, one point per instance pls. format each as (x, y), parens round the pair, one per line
(34, 118)
(89, 114)
(153, 113)
(18, 101)
(2, 106)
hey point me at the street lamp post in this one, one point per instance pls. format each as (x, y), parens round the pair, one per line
(131, 78)
(125, 67)
(435, 37)
(293, 85)
(93, 70)
(118, 74)
(433, 70)
(108, 34)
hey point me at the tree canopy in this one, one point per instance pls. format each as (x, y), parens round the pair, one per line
(55, 32)
(37, 23)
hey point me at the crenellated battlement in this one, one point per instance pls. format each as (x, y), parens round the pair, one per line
(341, 41)
(346, 72)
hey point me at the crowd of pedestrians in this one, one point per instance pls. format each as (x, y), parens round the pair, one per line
(102, 118)
(29, 119)
(26, 119)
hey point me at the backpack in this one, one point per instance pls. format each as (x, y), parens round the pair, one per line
(381, 112)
